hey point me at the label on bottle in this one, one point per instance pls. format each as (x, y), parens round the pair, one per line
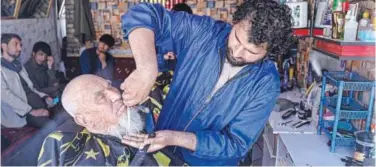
(363, 23)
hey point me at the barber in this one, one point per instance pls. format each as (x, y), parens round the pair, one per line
(225, 82)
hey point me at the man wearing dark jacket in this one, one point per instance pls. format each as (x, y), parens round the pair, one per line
(97, 60)
(41, 72)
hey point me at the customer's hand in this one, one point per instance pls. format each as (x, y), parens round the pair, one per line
(48, 98)
(50, 62)
(40, 112)
(137, 86)
(162, 139)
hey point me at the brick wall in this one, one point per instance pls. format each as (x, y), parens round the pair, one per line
(73, 43)
(104, 22)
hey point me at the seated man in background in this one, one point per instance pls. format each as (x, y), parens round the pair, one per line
(97, 60)
(97, 106)
(42, 74)
(21, 103)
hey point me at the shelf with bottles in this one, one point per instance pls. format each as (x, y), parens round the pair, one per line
(344, 105)
(349, 30)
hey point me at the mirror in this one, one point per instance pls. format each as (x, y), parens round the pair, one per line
(9, 9)
(34, 8)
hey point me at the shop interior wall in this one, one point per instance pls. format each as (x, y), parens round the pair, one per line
(33, 30)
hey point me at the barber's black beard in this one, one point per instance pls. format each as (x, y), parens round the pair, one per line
(232, 60)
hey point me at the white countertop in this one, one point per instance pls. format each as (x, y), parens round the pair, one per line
(305, 147)
(312, 150)
(276, 118)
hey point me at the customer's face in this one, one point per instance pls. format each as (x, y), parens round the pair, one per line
(102, 47)
(241, 52)
(13, 48)
(98, 107)
(39, 57)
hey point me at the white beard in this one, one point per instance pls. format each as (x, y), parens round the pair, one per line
(123, 128)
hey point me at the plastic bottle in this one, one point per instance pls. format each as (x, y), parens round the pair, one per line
(351, 26)
(338, 25)
(363, 26)
(373, 26)
(371, 33)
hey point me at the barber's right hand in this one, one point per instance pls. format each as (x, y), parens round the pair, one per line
(40, 112)
(137, 86)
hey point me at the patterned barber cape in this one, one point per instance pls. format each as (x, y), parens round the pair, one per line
(87, 149)
(82, 148)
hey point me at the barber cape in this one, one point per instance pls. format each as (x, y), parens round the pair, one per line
(78, 147)
(84, 148)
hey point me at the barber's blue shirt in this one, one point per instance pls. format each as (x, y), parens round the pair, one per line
(227, 123)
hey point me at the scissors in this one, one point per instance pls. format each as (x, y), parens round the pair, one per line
(284, 123)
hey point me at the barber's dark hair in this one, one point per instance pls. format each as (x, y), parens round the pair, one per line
(6, 37)
(182, 7)
(270, 22)
(107, 39)
(42, 46)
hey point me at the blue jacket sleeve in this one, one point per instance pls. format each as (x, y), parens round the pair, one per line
(84, 63)
(237, 138)
(174, 31)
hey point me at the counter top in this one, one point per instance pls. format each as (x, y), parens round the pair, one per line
(312, 150)
(276, 118)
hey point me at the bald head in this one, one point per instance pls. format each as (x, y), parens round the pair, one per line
(81, 91)
(96, 105)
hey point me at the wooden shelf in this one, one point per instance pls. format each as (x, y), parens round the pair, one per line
(304, 32)
(344, 43)
(339, 49)
(342, 57)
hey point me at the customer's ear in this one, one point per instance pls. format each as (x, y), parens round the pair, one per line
(80, 119)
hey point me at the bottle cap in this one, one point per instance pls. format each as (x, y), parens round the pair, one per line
(366, 14)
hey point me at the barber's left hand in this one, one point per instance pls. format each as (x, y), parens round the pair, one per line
(162, 139)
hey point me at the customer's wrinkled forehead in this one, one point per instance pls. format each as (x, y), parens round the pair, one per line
(91, 90)
(83, 88)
